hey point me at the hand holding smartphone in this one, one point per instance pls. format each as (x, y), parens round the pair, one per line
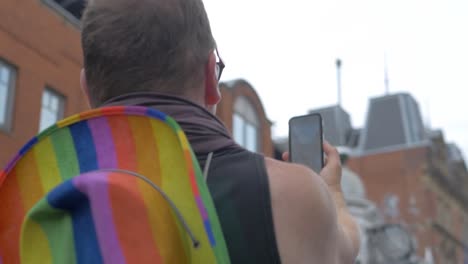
(306, 141)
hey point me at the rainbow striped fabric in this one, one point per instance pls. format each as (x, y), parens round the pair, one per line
(58, 205)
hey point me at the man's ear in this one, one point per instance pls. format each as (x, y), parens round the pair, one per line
(212, 93)
(84, 87)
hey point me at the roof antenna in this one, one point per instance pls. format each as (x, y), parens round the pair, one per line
(338, 79)
(387, 86)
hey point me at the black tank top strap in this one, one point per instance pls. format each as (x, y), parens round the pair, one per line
(239, 185)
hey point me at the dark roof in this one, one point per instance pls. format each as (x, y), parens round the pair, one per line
(336, 124)
(393, 120)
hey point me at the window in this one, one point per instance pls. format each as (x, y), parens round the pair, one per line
(251, 137)
(391, 205)
(51, 110)
(72, 10)
(245, 133)
(444, 216)
(245, 125)
(238, 129)
(7, 85)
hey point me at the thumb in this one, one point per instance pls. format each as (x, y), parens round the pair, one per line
(331, 172)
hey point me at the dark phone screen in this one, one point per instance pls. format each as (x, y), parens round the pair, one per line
(305, 141)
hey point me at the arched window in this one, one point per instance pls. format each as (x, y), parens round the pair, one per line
(246, 125)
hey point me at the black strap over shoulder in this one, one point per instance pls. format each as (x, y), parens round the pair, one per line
(238, 183)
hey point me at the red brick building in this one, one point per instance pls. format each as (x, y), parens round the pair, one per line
(242, 111)
(412, 186)
(394, 181)
(414, 177)
(40, 62)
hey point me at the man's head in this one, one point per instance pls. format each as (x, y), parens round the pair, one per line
(148, 45)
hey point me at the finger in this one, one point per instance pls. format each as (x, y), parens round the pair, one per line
(285, 156)
(332, 155)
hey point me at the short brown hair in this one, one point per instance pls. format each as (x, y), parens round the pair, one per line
(144, 45)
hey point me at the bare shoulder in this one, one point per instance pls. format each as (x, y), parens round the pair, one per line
(303, 212)
(295, 181)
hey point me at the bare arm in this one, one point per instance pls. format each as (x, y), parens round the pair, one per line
(348, 229)
(312, 222)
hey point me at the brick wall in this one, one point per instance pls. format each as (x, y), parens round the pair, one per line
(46, 51)
(404, 174)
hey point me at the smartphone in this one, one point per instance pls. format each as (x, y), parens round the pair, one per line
(306, 141)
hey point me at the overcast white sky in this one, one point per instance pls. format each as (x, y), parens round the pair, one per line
(287, 51)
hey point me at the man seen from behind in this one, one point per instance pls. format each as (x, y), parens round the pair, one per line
(162, 54)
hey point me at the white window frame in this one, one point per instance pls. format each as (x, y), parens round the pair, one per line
(60, 106)
(245, 111)
(63, 12)
(11, 87)
(238, 120)
(245, 134)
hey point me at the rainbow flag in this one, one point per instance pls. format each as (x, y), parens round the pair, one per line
(60, 203)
